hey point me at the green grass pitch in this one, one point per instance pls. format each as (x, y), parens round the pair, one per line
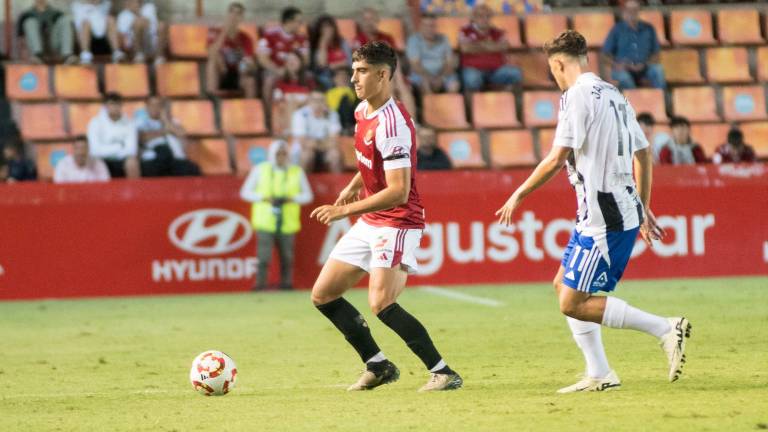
(122, 364)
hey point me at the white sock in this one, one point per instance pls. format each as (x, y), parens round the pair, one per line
(618, 314)
(588, 338)
(377, 358)
(441, 364)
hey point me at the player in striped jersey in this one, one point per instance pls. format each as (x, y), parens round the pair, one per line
(599, 140)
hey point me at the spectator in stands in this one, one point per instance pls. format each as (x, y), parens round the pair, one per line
(80, 167)
(112, 137)
(96, 30)
(230, 63)
(276, 189)
(631, 51)
(328, 50)
(483, 49)
(735, 150)
(142, 34)
(342, 99)
(18, 167)
(276, 45)
(291, 90)
(162, 142)
(647, 122)
(43, 26)
(430, 156)
(680, 148)
(315, 133)
(433, 67)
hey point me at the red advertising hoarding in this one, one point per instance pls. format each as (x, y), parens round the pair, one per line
(192, 235)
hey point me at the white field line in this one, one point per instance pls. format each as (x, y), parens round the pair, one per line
(460, 296)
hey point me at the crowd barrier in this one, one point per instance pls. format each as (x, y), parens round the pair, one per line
(174, 236)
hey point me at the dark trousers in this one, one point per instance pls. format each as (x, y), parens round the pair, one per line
(164, 164)
(265, 242)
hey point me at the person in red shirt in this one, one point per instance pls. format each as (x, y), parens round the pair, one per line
(735, 150)
(483, 49)
(275, 45)
(328, 50)
(291, 91)
(230, 63)
(680, 149)
(383, 241)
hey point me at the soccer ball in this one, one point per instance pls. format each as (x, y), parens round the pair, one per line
(213, 373)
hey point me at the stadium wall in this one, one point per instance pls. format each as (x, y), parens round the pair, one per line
(192, 235)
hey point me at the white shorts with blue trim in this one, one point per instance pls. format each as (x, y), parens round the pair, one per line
(597, 263)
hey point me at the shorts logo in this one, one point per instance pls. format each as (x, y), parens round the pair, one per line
(570, 275)
(382, 242)
(383, 257)
(601, 281)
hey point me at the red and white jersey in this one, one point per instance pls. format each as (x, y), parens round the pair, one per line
(385, 140)
(277, 43)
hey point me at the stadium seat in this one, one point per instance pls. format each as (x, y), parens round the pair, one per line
(188, 40)
(594, 26)
(196, 116)
(698, 104)
(494, 110)
(242, 117)
(649, 100)
(463, 148)
(762, 63)
(76, 82)
(535, 69)
(27, 82)
(211, 154)
(511, 26)
(539, 28)
(681, 66)
(349, 159)
(742, 103)
(655, 18)
(540, 108)
(691, 27)
(250, 152)
(710, 135)
(756, 135)
(510, 148)
(347, 28)
(48, 155)
(450, 27)
(445, 111)
(546, 137)
(81, 113)
(394, 28)
(41, 121)
(739, 26)
(728, 65)
(178, 79)
(130, 80)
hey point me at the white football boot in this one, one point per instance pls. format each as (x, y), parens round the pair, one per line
(673, 344)
(609, 382)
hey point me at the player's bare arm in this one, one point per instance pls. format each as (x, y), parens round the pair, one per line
(351, 192)
(545, 170)
(395, 194)
(643, 163)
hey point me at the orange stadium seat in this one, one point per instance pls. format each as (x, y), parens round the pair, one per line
(81, 113)
(195, 116)
(394, 28)
(539, 28)
(41, 121)
(76, 82)
(48, 155)
(655, 18)
(594, 26)
(756, 135)
(445, 111)
(762, 63)
(347, 28)
(698, 104)
(27, 82)
(450, 27)
(546, 137)
(739, 26)
(188, 40)
(540, 108)
(349, 159)
(728, 65)
(710, 135)
(648, 100)
(130, 80)
(744, 103)
(250, 152)
(494, 110)
(691, 27)
(681, 66)
(511, 148)
(211, 154)
(242, 117)
(463, 148)
(511, 26)
(178, 79)
(535, 69)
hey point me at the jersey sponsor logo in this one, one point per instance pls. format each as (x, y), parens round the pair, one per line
(601, 280)
(210, 232)
(363, 160)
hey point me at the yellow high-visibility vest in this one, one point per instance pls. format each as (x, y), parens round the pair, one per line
(275, 183)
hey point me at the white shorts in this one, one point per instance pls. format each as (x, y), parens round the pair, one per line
(367, 246)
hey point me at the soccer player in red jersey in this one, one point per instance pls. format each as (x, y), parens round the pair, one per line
(383, 241)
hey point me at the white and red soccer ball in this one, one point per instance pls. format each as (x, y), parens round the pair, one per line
(213, 373)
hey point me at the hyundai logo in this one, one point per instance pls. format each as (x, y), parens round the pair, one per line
(210, 232)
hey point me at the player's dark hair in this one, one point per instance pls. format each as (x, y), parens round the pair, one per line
(289, 14)
(735, 136)
(679, 121)
(646, 118)
(428, 15)
(570, 43)
(113, 97)
(236, 5)
(377, 53)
